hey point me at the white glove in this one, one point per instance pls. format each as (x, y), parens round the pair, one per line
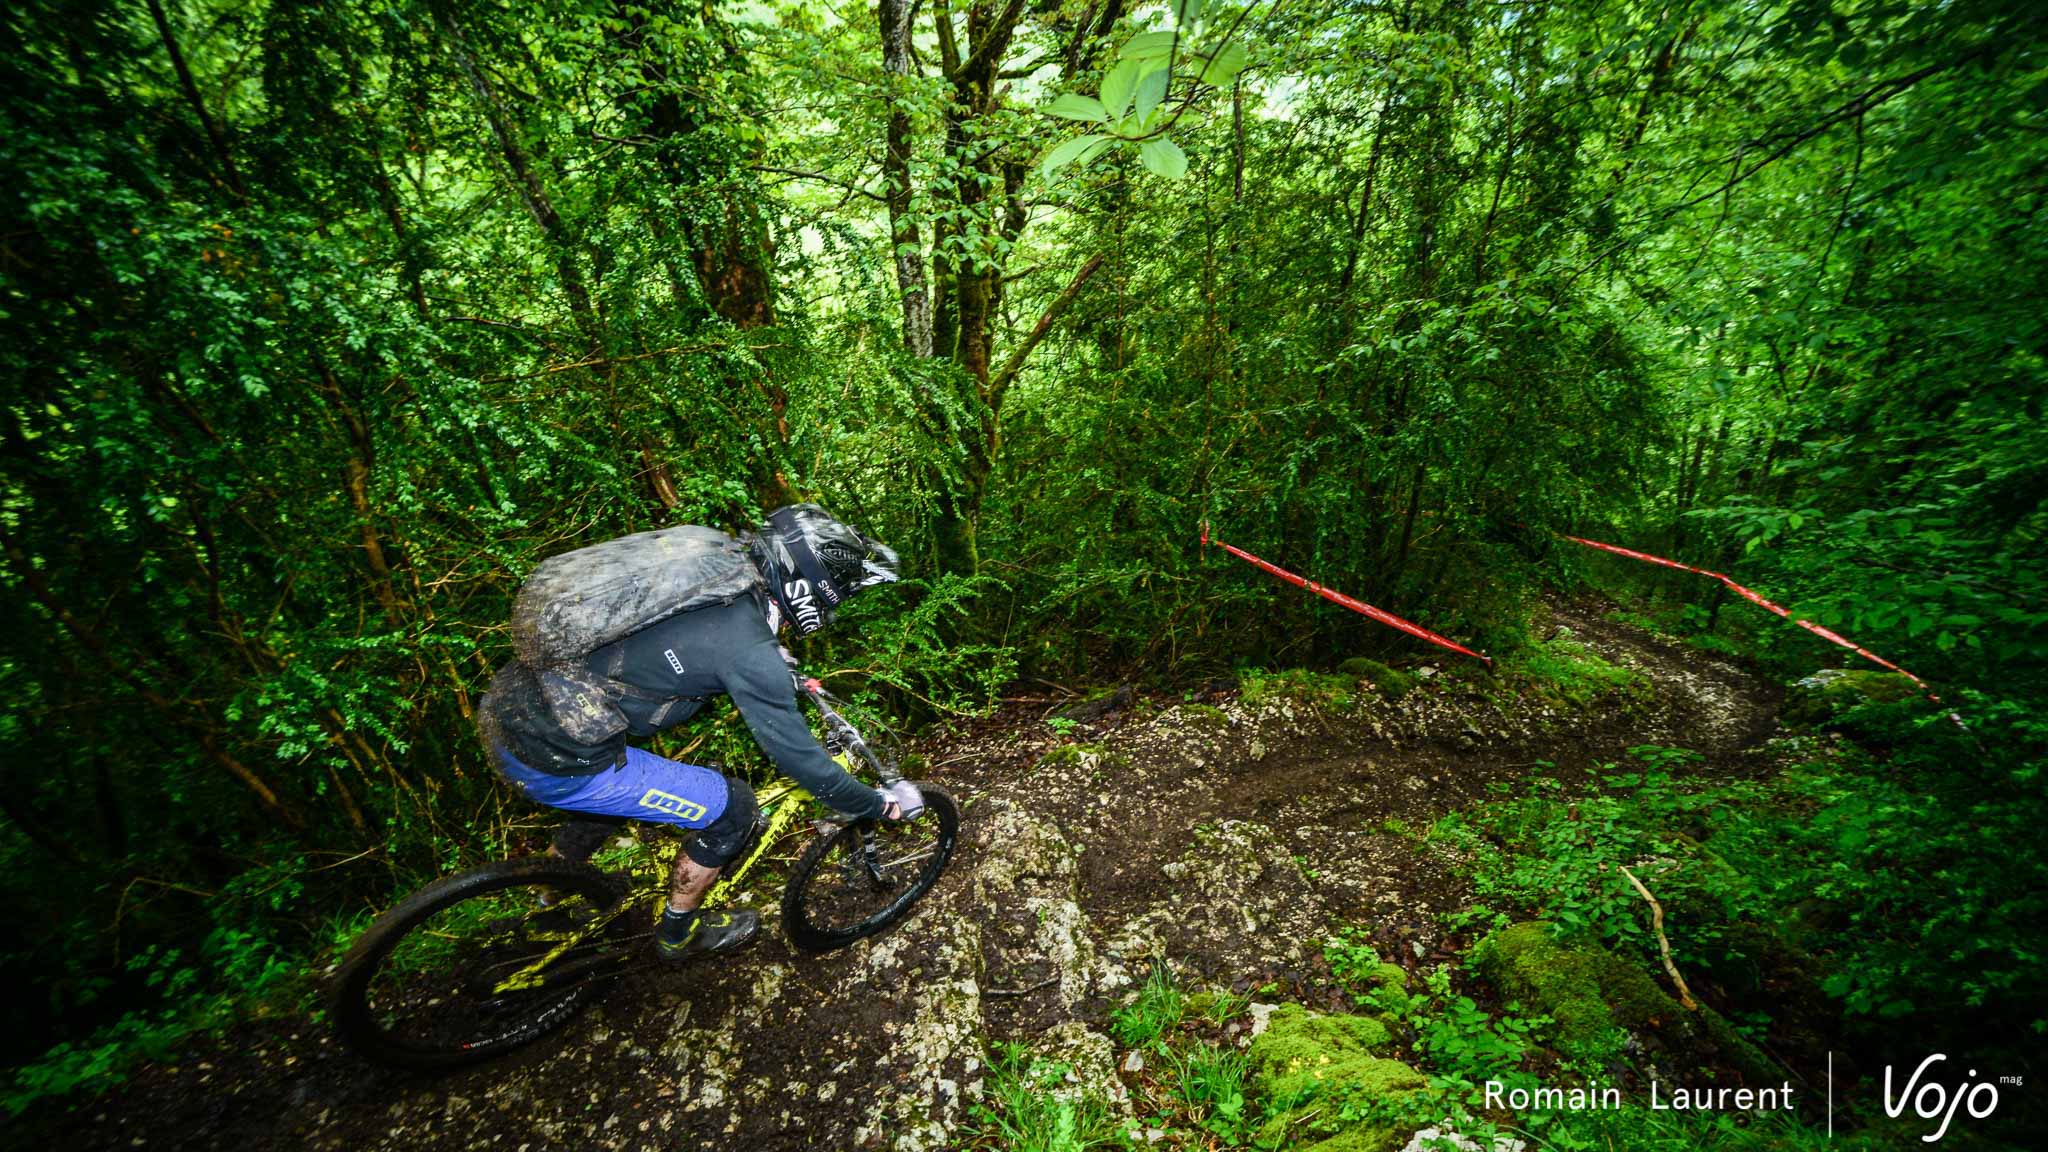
(903, 799)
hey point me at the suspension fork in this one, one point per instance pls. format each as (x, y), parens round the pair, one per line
(842, 732)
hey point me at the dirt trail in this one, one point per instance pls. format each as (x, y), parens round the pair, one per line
(1225, 841)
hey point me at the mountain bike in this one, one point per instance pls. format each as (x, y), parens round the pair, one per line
(481, 962)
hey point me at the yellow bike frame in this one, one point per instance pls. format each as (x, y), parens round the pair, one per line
(785, 804)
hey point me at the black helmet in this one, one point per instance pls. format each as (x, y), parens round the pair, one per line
(813, 562)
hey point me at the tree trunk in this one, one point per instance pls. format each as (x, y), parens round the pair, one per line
(896, 18)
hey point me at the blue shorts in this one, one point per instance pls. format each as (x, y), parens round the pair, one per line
(646, 787)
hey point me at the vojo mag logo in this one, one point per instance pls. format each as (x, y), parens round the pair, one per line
(1932, 1100)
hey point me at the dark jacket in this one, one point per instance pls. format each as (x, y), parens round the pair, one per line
(662, 675)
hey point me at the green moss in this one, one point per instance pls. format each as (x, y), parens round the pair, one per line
(1391, 682)
(1525, 961)
(1596, 1000)
(1363, 1138)
(1208, 713)
(1821, 698)
(1337, 693)
(1296, 1038)
(1315, 1066)
(1571, 676)
(1077, 756)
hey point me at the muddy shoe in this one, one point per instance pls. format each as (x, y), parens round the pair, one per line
(686, 935)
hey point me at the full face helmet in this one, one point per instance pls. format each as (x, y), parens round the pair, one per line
(813, 563)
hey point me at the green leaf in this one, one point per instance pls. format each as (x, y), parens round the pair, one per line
(1074, 106)
(1164, 157)
(1224, 64)
(1186, 12)
(1148, 46)
(1080, 148)
(1117, 87)
(1151, 90)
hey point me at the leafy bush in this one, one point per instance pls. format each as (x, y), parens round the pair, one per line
(1560, 858)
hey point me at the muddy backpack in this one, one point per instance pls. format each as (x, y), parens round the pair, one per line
(578, 602)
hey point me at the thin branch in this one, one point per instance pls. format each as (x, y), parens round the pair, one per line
(1053, 312)
(1871, 98)
(1663, 943)
(821, 178)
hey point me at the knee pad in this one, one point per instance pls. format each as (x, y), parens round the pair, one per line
(720, 841)
(740, 799)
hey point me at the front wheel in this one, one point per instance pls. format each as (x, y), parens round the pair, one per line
(865, 876)
(471, 966)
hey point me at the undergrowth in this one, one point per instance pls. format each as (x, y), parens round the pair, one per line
(1030, 1108)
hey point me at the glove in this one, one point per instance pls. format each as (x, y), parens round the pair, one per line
(904, 795)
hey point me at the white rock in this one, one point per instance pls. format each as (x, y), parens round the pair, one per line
(1438, 1140)
(1262, 1016)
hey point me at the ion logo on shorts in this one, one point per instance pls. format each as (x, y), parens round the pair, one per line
(673, 805)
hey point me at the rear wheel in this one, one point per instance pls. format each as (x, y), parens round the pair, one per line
(865, 877)
(446, 977)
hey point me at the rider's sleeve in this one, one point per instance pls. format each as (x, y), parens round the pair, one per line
(759, 685)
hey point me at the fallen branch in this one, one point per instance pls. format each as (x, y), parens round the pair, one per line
(1663, 943)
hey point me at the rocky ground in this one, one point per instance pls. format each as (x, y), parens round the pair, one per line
(1220, 837)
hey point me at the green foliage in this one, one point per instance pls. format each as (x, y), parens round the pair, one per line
(1560, 858)
(1899, 865)
(1569, 674)
(1664, 1130)
(1459, 1042)
(1464, 1043)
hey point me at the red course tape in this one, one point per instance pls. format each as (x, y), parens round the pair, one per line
(1335, 597)
(1760, 602)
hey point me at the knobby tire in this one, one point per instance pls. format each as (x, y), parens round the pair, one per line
(354, 1016)
(797, 923)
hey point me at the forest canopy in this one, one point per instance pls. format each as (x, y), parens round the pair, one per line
(322, 322)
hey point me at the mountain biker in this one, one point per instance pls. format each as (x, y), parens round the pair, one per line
(659, 677)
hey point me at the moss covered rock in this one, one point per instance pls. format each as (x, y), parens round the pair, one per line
(1391, 682)
(1599, 1001)
(1206, 713)
(1336, 692)
(1826, 694)
(1312, 1067)
(1082, 758)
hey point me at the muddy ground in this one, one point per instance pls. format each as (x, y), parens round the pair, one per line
(1223, 839)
